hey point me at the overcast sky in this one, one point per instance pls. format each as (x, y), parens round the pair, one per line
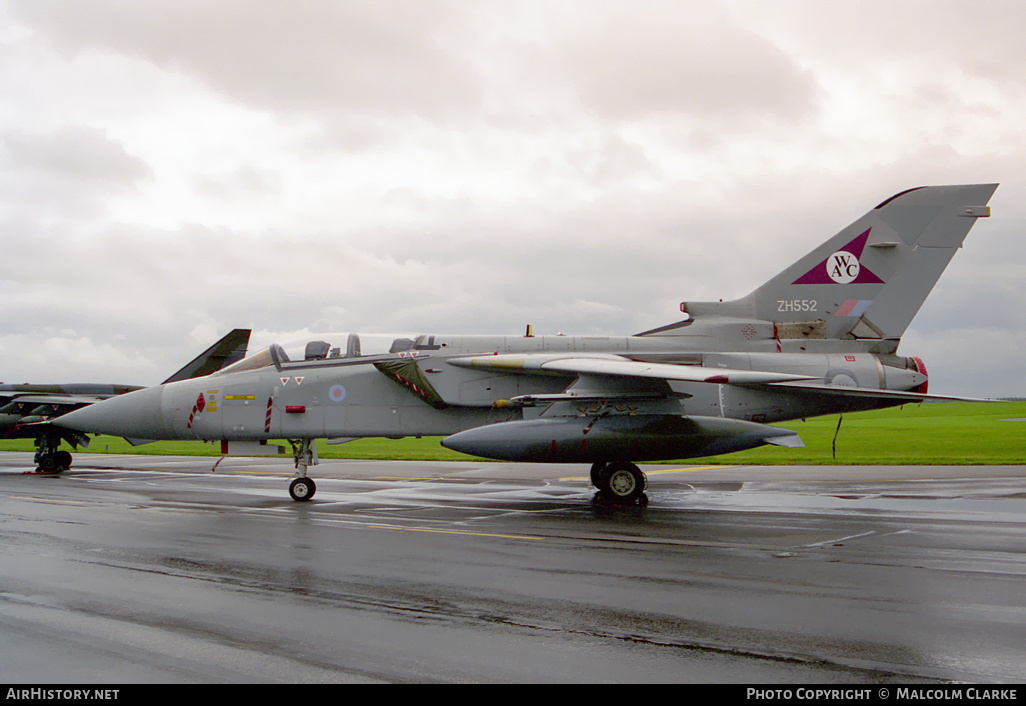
(170, 170)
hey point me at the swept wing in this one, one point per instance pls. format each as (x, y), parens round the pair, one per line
(618, 366)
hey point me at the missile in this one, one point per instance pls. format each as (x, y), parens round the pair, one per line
(631, 437)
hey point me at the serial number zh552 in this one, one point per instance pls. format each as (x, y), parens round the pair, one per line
(796, 305)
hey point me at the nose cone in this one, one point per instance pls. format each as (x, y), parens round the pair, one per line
(136, 415)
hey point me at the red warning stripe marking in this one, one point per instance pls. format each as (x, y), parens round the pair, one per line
(409, 385)
(198, 407)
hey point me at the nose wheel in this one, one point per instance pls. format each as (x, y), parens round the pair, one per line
(302, 489)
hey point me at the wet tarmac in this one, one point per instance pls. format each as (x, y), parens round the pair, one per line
(130, 569)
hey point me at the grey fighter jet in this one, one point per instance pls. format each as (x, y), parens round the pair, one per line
(23, 408)
(821, 337)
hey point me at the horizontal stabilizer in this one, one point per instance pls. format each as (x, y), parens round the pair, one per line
(892, 396)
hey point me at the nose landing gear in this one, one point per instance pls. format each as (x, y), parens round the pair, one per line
(304, 451)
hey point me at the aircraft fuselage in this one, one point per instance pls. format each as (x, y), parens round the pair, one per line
(353, 396)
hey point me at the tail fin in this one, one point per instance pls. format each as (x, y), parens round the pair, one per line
(222, 354)
(869, 280)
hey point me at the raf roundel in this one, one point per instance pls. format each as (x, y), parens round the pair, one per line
(337, 393)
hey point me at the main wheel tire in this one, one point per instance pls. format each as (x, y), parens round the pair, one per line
(596, 474)
(49, 465)
(63, 460)
(302, 489)
(623, 481)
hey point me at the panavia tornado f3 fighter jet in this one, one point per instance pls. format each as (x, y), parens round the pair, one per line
(819, 338)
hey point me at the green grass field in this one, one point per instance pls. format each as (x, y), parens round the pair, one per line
(949, 434)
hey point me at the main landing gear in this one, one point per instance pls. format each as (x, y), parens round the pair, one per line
(304, 451)
(49, 458)
(620, 481)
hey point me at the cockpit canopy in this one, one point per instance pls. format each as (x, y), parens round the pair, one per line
(329, 347)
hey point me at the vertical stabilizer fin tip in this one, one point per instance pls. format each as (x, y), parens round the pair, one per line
(898, 195)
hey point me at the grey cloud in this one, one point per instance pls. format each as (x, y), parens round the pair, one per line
(876, 39)
(59, 177)
(669, 59)
(439, 59)
(74, 152)
(362, 56)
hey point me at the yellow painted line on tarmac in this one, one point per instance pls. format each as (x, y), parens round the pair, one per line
(47, 500)
(439, 531)
(686, 470)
